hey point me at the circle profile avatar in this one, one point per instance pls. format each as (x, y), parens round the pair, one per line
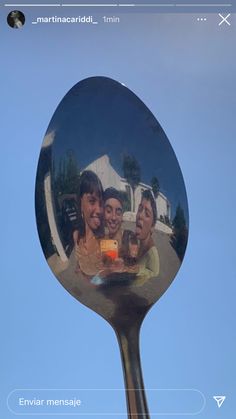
(16, 19)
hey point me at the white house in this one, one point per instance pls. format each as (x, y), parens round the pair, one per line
(110, 178)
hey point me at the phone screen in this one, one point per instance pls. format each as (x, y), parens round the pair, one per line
(59, 357)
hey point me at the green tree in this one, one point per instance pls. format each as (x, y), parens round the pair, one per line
(180, 232)
(67, 176)
(71, 173)
(155, 186)
(132, 173)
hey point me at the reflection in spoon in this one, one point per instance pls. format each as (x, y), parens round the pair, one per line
(112, 212)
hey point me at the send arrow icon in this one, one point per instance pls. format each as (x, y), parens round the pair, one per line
(219, 400)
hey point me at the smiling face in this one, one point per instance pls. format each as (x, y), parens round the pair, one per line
(113, 215)
(92, 210)
(144, 220)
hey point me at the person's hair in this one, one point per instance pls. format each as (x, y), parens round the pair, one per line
(129, 237)
(89, 182)
(147, 194)
(113, 193)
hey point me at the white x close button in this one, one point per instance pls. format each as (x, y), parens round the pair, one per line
(224, 19)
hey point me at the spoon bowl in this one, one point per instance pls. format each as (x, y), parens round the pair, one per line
(112, 212)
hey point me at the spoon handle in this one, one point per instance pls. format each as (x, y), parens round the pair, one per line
(130, 355)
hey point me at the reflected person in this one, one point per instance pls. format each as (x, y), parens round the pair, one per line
(148, 258)
(113, 214)
(90, 229)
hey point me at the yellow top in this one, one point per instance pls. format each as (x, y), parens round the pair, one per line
(149, 264)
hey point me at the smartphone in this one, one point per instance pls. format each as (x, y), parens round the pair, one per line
(109, 249)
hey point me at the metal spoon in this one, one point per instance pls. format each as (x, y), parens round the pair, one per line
(102, 137)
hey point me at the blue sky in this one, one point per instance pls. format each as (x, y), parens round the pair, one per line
(185, 72)
(100, 116)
